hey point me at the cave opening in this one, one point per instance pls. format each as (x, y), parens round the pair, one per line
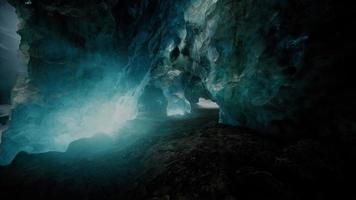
(12, 61)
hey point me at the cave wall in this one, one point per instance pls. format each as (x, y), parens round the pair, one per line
(274, 65)
(73, 53)
(279, 66)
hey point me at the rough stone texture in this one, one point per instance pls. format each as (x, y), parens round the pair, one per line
(186, 159)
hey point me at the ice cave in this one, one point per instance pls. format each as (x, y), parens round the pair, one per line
(177, 99)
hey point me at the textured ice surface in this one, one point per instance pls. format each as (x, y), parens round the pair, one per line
(263, 63)
(80, 83)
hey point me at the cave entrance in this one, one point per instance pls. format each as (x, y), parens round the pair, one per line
(11, 65)
(207, 104)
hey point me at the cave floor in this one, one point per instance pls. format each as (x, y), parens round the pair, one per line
(184, 158)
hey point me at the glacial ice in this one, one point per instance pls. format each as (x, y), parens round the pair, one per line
(241, 54)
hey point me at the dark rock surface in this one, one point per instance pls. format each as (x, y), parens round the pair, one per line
(186, 159)
(233, 163)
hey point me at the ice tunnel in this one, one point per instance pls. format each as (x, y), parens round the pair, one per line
(177, 99)
(95, 65)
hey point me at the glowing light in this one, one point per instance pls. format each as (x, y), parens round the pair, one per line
(96, 117)
(176, 112)
(100, 116)
(207, 103)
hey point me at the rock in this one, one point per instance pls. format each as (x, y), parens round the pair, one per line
(180, 160)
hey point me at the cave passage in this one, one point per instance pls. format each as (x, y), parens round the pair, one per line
(168, 99)
(86, 80)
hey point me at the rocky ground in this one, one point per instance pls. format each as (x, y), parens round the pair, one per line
(187, 158)
(233, 163)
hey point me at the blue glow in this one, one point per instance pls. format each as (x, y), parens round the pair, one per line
(178, 105)
(51, 121)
